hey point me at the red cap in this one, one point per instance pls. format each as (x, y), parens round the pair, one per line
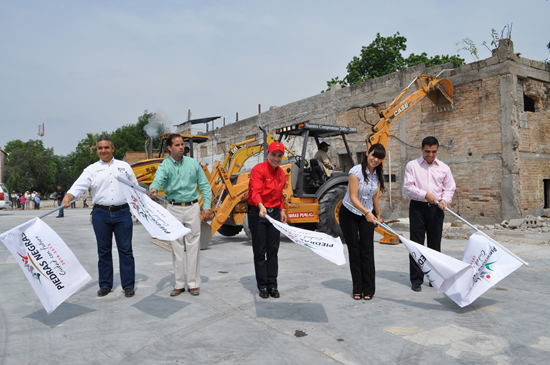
(276, 146)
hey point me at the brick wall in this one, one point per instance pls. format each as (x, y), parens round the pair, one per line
(498, 153)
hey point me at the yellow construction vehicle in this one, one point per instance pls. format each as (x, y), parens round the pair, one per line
(229, 186)
(145, 169)
(312, 199)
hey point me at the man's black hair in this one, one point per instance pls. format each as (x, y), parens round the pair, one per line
(104, 137)
(430, 141)
(170, 139)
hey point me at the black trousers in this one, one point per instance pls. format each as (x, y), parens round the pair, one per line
(265, 245)
(424, 221)
(359, 235)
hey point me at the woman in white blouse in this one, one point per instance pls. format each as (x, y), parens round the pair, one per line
(359, 213)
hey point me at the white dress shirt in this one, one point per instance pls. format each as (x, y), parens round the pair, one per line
(365, 192)
(100, 176)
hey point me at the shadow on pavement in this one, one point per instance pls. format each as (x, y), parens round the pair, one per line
(303, 312)
(249, 283)
(343, 285)
(160, 307)
(63, 313)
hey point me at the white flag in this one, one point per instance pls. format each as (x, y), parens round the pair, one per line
(156, 220)
(50, 266)
(490, 264)
(322, 244)
(441, 270)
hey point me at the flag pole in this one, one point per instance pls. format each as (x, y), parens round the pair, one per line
(483, 233)
(54, 210)
(138, 188)
(387, 228)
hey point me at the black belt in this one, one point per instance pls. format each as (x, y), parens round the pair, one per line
(425, 203)
(269, 210)
(184, 204)
(112, 208)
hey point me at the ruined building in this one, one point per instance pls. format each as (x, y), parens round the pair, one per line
(495, 137)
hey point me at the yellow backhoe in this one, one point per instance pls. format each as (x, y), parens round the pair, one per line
(313, 199)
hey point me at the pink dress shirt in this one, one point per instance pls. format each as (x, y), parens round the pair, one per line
(436, 178)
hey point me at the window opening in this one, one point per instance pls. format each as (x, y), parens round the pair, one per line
(528, 103)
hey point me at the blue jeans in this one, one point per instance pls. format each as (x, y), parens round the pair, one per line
(120, 223)
(60, 210)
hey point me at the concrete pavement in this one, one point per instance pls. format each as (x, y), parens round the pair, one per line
(314, 321)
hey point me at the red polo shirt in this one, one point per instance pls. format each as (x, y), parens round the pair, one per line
(266, 186)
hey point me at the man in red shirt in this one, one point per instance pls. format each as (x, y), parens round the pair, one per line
(265, 189)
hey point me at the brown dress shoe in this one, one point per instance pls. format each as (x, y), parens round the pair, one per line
(176, 292)
(194, 291)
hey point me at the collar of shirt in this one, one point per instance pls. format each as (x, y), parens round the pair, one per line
(422, 161)
(180, 179)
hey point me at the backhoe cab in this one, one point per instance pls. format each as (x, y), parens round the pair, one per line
(312, 198)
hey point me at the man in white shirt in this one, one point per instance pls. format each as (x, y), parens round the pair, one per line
(110, 214)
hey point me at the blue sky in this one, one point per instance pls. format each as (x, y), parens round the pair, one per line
(81, 67)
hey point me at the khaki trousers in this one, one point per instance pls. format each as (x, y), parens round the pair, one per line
(188, 246)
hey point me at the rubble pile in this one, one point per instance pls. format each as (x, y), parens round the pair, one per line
(459, 230)
(531, 223)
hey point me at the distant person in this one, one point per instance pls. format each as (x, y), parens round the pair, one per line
(430, 185)
(186, 151)
(23, 201)
(13, 198)
(37, 201)
(59, 198)
(180, 176)
(27, 200)
(322, 155)
(267, 181)
(84, 198)
(110, 215)
(359, 214)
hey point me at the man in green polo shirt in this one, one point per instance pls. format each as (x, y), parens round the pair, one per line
(179, 176)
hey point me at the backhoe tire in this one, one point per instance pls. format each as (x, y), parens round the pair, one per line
(329, 209)
(228, 231)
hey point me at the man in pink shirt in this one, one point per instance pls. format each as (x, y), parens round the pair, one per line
(430, 186)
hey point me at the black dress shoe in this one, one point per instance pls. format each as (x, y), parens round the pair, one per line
(274, 293)
(416, 287)
(129, 292)
(103, 292)
(264, 293)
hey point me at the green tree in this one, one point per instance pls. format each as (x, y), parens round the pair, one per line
(383, 56)
(31, 166)
(131, 137)
(85, 154)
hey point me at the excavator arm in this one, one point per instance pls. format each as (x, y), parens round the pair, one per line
(439, 91)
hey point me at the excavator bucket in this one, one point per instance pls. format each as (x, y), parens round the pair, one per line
(440, 91)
